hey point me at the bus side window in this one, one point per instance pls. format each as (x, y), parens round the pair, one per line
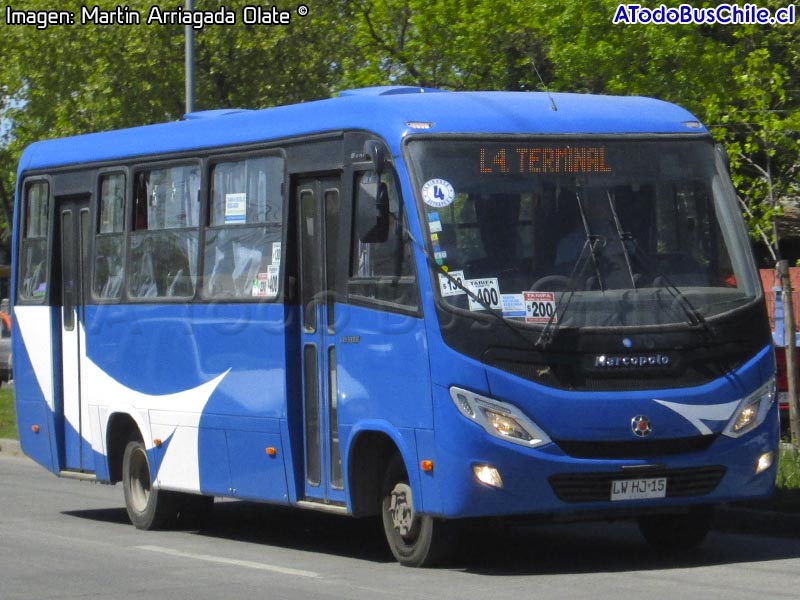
(110, 240)
(384, 271)
(243, 239)
(163, 258)
(33, 251)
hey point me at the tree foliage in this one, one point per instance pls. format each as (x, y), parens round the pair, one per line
(458, 45)
(758, 120)
(743, 81)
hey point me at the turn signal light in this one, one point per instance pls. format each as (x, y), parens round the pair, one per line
(271, 452)
(426, 466)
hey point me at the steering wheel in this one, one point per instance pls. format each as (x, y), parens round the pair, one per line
(551, 283)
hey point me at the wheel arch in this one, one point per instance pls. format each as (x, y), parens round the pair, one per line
(371, 449)
(121, 429)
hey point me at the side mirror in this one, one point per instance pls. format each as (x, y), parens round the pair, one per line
(372, 209)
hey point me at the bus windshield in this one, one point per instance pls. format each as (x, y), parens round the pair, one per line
(583, 233)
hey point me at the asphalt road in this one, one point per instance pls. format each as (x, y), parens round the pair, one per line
(64, 539)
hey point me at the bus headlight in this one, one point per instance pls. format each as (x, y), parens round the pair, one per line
(752, 411)
(499, 419)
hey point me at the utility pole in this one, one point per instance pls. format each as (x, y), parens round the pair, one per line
(791, 350)
(189, 42)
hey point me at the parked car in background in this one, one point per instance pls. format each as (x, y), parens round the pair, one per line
(6, 370)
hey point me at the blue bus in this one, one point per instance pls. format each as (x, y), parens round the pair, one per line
(423, 305)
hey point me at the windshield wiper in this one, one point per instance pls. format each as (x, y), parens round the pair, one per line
(593, 243)
(627, 239)
(624, 237)
(592, 240)
(551, 327)
(693, 315)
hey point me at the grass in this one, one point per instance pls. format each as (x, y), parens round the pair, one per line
(789, 469)
(8, 416)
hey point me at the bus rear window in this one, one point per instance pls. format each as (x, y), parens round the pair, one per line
(33, 251)
(110, 240)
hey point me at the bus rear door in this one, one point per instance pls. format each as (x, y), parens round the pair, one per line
(75, 229)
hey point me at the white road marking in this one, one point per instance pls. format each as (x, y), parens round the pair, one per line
(247, 564)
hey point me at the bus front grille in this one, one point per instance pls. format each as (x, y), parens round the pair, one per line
(596, 487)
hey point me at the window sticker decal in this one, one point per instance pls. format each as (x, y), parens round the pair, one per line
(448, 286)
(487, 289)
(540, 307)
(513, 306)
(434, 222)
(235, 208)
(265, 285)
(438, 193)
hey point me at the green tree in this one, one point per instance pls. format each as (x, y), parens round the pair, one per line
(457, 45)
(758, 120)
(71, 79)
(742, 81)
(678, 63)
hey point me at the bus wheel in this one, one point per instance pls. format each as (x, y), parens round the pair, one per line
(147, 508)
(678, 531)
(416, 540)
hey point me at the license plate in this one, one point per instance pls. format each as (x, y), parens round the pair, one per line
(638, 489)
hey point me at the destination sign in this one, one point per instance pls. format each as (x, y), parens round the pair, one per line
(526, 160)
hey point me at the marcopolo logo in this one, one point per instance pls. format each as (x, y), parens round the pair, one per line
(605, 361)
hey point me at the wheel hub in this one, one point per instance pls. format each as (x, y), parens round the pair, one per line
(401, 509)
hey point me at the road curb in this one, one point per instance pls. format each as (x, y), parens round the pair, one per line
(10, 448)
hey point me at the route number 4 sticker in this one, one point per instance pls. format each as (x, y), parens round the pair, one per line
(540, 307)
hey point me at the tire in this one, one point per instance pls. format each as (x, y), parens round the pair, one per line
(677, 532)
(147, 508)
(416, 540)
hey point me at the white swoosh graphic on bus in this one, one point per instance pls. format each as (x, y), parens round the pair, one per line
(169, 416)
(696, 414)
(34, 324)
(173, 416)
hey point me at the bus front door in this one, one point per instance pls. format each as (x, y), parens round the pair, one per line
(75, 229)
(318, 219)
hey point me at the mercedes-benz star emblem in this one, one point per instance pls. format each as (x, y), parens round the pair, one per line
(641, 426)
